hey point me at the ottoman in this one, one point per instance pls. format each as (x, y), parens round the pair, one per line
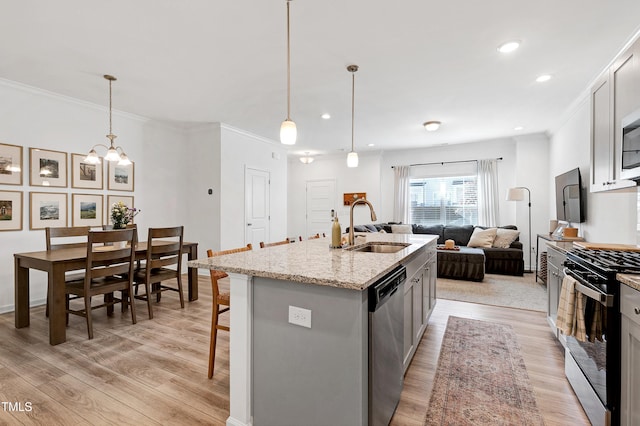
(465, 264)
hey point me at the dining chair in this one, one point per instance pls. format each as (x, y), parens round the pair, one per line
(108, 269)
(163, 262)
(221, 302)
(63, 238)
(277, 243)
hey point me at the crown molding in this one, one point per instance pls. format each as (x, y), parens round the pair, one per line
(68, 99)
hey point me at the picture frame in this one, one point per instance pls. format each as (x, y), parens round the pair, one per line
(47, 168)
(48, 209)
(112, 199)
(11, 210)
(10, 164)
(87, 210)
(121, 178)
(85, 175)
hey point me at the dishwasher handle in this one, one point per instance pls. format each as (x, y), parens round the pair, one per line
(382, 290)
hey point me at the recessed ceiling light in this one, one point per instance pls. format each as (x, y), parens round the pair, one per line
(371, 144)
(432, 126)
(543, 78)
(508, 47)
(518, 128)
(326, 116)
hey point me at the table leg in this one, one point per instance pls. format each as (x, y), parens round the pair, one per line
(192, 274)
(21, 295)
(57, 314)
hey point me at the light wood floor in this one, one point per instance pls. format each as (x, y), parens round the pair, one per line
(155, 372)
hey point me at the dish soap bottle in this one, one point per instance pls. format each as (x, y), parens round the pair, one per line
(336, 232)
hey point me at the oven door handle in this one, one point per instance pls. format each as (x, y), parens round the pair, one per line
(604, 299)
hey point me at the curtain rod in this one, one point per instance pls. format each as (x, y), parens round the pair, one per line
(445, 162)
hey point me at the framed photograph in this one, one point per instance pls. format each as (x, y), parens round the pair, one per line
(10, 210)
(85, 175)
(120, 177)
(87, 210)
(10, 164)
(47, 168)
(47, 209)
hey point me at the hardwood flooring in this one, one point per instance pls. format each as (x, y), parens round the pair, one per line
(155, 372)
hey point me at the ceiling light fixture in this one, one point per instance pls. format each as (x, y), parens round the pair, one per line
(432, 126)
(352, 157)
(543, 78)
(508, 47)
(112, 151)
(518, 128)
(306, 159)
(288, 130)
(326, 116)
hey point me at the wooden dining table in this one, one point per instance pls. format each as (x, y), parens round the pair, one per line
(55, 263)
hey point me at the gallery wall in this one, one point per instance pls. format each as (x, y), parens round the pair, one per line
(30, 117)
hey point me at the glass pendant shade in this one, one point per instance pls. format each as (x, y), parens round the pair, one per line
(352, 159)
(124, 160)
(288, 132)
(92, 157)
(112, 155)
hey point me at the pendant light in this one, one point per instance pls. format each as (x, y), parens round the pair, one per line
(306, 159)
(112, 150)
(288, 130)
(352, 157)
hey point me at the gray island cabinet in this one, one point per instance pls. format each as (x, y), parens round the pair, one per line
(299, 342)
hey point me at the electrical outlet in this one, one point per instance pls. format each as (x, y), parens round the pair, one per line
(300, 316)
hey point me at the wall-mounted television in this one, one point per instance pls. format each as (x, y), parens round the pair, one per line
(570, 197)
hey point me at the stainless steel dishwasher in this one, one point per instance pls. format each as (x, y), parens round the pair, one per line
(386, 340)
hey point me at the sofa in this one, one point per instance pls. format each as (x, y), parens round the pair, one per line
(466, 263)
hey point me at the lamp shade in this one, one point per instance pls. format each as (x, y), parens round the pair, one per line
(515, 194)
(352, 159)
(288, 132)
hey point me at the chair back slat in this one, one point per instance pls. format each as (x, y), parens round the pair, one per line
(164, 248)
(66, 237)
(277, 243)
(165, 261)
(107, 261)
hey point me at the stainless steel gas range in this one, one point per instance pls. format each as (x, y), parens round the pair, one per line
(593, 366)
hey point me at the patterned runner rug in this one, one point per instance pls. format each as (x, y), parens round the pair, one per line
(481, 378)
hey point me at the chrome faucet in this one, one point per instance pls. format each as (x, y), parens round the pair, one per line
(373, 217)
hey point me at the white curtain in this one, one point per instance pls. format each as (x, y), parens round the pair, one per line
(401, 194)
(488, 193)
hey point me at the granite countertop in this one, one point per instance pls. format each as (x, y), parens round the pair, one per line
(631, 280)
(313, 262)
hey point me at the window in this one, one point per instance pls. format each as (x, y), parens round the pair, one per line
(444, 200)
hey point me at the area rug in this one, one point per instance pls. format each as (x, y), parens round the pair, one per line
(481, 378)
(498, 290)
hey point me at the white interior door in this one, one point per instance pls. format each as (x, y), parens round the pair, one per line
(257, 206)
(321, 199)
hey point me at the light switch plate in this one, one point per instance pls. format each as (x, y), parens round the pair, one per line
(300, 316)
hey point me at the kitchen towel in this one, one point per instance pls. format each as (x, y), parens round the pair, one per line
(567, 306)
(570, 320)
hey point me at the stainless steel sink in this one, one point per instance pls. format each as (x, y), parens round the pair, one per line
(374, 247)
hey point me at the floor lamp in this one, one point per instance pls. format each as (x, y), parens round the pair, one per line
(517, 194)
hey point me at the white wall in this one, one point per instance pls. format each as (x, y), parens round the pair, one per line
(239, 150)
(610, 216)
(364, 178)
(33, 118)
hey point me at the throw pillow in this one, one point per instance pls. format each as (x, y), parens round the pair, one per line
(504, 237)
(401, 229)
(482, 237)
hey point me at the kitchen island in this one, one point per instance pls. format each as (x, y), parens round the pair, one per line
(300, 322)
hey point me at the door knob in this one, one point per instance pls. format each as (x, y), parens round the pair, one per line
(249, 224)
(637, 311)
